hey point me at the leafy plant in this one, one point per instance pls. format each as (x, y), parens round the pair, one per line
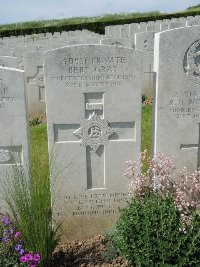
(160, 225)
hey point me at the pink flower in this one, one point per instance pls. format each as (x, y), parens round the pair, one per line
(28, 257)
(23, 259)
(36, 257)
(17, 234)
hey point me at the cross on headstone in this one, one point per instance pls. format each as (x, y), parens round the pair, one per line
(38, 79)
(194, 146)
(150, 72)
(95, 132)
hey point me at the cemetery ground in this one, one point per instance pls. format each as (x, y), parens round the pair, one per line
(92, 251)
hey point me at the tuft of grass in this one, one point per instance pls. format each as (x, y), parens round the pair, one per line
(29, 199)
(146, 129)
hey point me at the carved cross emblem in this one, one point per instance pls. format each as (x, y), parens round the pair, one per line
(94, 131)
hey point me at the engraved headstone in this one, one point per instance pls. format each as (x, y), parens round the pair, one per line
(14, 144)
(33, 66)
(177, 96)
(145, 42)
(94, 129)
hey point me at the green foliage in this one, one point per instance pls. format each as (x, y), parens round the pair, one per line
(148, 234)
(144, 97)
(96, 24)
(196, 7)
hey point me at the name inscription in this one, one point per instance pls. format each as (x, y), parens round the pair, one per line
(94, 72)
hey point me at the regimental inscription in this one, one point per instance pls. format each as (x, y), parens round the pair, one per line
(192, 62)
(94, 204)
(94, 72)
(94, 131)
(185, 105)
(5, 98)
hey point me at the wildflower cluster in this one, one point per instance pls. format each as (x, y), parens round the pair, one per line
(12, 246)
(165, 180)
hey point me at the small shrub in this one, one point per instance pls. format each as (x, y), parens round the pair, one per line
(160, 227)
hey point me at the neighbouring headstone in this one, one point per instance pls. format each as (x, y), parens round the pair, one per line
(193, 21)
(14, 144)
(177, 96)
(177, 24)
(9, 62)
(145, 42)
(33, 66)
(115, 30)
(125, 31)
(93, 97)
(117, 42)
(164, 25)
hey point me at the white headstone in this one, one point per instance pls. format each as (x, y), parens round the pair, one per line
(93, 97)
(33, 66)
(144, 41)
(125, 31)
(193, 21)
(14, 144)
(115, 30)
(177, 96)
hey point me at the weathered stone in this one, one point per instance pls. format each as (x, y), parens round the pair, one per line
(177, 96)
(93, 97)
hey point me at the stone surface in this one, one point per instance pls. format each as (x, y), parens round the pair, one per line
(115, 30)
(117, 42)
(144, 41)
(14, 148)
(125, 31)
(177, 24)
(177, 96)
(94, 129)
(33, 66)
(193, 21)
(10, 62)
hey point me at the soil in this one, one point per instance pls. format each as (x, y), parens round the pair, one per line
(86, 253)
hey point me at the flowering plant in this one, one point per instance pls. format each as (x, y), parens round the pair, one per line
(12, 250)
(163, 178)
(160, 225)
